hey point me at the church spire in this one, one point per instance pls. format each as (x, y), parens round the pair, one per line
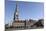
(16, 13)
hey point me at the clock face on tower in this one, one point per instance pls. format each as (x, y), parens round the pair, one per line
(17, 13)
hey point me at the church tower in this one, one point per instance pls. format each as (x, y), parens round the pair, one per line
(16, 22)
(16, 13)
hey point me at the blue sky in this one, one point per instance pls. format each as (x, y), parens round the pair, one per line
(27, 10)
